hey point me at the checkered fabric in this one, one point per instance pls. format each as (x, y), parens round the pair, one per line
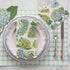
(48, 58)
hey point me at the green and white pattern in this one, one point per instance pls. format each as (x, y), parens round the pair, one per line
(6, 15)
(25, 38)
(48, 58)
(55, 16)
(4, 18)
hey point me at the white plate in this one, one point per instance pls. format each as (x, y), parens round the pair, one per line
(9, 38)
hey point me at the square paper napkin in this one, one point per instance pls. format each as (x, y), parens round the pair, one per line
(48, 58)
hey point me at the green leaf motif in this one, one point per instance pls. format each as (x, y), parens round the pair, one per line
(33, 23)
(35, 44)
(66, 12)
(50, 21)
(52, 26)
(13, 11)
(24, 43)
(32, 30)
(45, 18)
(61, 8)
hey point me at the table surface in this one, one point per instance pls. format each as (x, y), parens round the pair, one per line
(65, 2)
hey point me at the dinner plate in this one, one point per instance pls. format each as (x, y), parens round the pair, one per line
(9, 39)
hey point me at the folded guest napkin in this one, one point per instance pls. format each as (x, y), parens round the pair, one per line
(54, 14)
(26, 38)
(6, 15)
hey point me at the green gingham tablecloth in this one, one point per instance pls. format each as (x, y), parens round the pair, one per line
(48, 58)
